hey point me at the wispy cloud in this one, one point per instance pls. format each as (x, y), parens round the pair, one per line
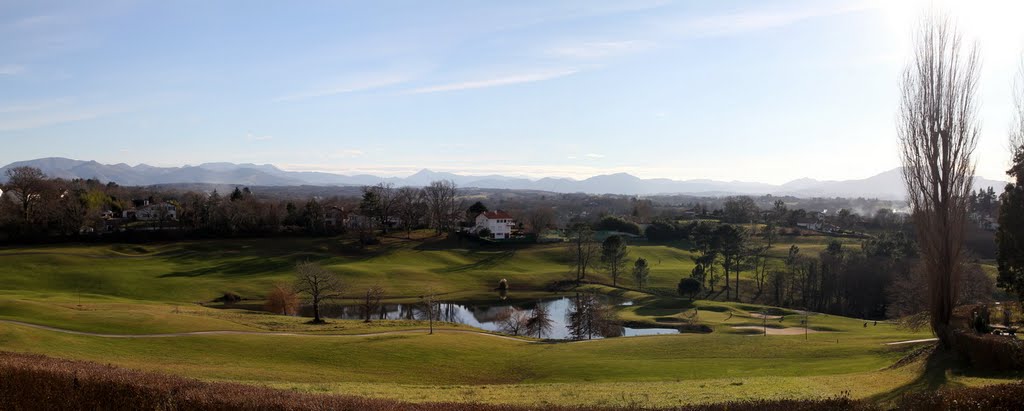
(593, 155)
(43, 119)
(11, 69)
(37, 22)
(34, 106)
(35, 114)
(497, 81)
(253, 137)
(599, 49)
(348, 153)
(347, 86)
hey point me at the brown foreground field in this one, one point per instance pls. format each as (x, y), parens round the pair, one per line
(32, 382)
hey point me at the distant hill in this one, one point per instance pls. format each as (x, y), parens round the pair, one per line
(887, 185)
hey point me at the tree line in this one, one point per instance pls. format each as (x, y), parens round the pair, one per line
(34, 206)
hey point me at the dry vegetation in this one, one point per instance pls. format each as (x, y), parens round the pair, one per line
(29, 381)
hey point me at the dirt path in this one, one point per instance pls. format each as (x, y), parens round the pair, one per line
(777, 331)
(272, 333)
(923, 340)
(94, 256)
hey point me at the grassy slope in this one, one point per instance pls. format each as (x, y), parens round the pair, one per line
(130, 289)
(202, 270)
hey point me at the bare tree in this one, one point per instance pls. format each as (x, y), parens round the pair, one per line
(379, 202)
(410, 208)
(1017, 125)
(28, 183)
(282, 300)
(588, 316)
(428, 305)
(539, 218)
(975, 285)
(318, 284)
(441, 202)
(938, 131)
(583, 250)
(908, 298)
(759, 266)
(540, 322)
(371, 301)
(513, 321)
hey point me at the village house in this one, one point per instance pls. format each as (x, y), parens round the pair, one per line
(499, 223)
(333, 216)
(146, 211)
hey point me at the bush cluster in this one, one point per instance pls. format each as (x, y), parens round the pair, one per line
(612, 223)
(664, 231)
(994, 397)
(989, 352)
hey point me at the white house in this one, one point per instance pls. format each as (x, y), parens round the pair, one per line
(152, 212)
(499, 223)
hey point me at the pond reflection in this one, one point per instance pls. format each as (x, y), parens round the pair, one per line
(486, 316)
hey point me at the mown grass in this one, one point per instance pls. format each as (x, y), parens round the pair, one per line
(202, 270)
(127, 289)
(657, 370)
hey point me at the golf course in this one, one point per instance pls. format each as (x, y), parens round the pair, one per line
(152, 307)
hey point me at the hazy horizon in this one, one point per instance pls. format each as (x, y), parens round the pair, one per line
(738, 91)
(457, 172)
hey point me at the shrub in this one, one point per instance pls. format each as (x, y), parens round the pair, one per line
(282, 300)
(980, 320)
(993, 397)
(689, 287)
(989, 352)
(228, 298)
(668, 231)
(612, 223)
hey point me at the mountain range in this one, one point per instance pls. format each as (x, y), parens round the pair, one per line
(886, 185)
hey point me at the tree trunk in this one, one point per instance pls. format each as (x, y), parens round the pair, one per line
(737, 285)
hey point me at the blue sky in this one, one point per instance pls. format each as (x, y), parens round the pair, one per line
(728, 90)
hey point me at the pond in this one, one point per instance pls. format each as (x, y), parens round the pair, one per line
(485, 316)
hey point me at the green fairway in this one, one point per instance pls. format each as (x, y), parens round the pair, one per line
(116, 289)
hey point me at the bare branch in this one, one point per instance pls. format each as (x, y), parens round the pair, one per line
(938, 131)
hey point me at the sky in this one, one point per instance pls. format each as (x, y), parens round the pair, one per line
(766, 91)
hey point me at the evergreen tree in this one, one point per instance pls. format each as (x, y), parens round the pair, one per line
(1010, 235)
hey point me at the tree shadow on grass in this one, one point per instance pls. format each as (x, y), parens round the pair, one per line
(664, 310)
(489, 260)
(253, 264)
(247, 267)
(938, 363)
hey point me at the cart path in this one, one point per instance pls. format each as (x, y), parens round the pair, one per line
(270, 333)
(290, 334)
(923, 340)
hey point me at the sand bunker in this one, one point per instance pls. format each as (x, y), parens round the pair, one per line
(777, 331)
(760, 316)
